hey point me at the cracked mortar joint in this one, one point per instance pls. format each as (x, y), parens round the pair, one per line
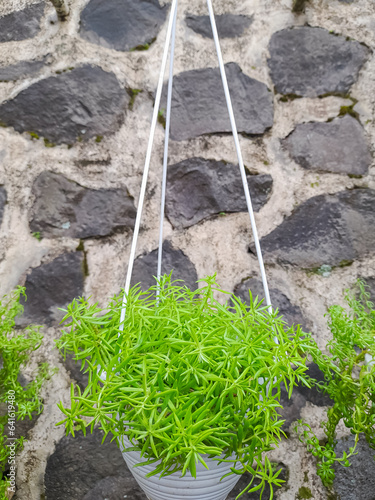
(61, 8)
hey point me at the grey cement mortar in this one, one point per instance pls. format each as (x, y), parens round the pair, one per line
(215, 245)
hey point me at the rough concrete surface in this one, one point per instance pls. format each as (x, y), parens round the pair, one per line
(92, 101)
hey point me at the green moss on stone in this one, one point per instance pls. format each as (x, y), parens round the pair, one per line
(332, 496)
(299, 5)
(34, 135)
(48, 144)
(80, 247)
(144, 46)
(37, 235)
(161, 118)
(348, 110)
(345, 263)
(99, 138)
(133, 94)
(289, 97)
(304, 493)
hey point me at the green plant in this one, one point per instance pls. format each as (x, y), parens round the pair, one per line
(187, 377)
(133, 94)
(161, 117)
(18, 401)
(349, 372)
(48, 144)
(37, 235)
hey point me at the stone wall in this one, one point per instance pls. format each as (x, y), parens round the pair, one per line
(76, 100)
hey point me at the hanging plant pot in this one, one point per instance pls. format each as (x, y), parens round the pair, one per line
(207, 485)
(190, 381)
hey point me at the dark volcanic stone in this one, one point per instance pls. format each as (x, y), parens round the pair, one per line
(370, 282)
(24, 427)
(310, 62)
(75, 372)
(64, 208)
(21, 24)
(51, 286)
(313, 395)
(199, 106)
(292, 313)
(113, 488)
(145, 267)
(122, 24)
(82, 468)
(198, 188)
(326, 229)
(3, 200)
(228, 25)
(338, 146)
(357, 481)
(291, 407)
(20, 70)
(81, 103)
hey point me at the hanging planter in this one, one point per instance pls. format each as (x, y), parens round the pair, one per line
(191, 388)
(188, 387)
(207, 485)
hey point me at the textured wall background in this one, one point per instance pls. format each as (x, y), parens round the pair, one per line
(75, 107)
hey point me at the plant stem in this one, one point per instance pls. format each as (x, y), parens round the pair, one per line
(61, 8)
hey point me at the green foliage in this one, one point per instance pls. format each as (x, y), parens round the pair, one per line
(161, 117)
(304, 493)
(349, 372)
(37, 235)
(34, 135)
(15, 349)
(133, 94)
(187, 377)
(48, 144)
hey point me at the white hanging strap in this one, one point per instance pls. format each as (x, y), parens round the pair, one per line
(147, 164)
(166, 144)
(171, 35)
(239, 156)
